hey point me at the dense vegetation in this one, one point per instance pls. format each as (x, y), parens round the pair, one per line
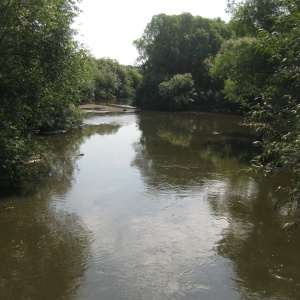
(42, 77)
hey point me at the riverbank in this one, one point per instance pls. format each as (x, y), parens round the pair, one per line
(126, 108)
(107, 108)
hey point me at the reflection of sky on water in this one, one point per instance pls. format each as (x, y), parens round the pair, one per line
(96, 118)
(157, 208)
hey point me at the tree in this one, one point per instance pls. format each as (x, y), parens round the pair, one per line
(262, 73)
(177, 44)
(277, 116)
(42, 76)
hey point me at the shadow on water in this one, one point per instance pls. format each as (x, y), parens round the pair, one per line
(44, 250)
(265, 258)
(43, 253)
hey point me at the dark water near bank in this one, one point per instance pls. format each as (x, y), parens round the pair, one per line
(159, 207)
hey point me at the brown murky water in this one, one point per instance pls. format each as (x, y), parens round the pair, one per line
(159, 207)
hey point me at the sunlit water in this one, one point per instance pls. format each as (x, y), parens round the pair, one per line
(160, 206)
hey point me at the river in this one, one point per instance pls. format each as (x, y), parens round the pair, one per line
(160, 206)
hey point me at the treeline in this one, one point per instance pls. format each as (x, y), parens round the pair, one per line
(251, 64)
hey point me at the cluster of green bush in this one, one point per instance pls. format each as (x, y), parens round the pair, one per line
(42, 75)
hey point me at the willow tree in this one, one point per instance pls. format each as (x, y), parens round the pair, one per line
(42, 74)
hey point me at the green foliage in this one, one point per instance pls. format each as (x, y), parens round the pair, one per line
(112, 80)
(176, 93)
(177, 44)
(244, 69)
(277, 116)
(262, 73)
(251, 15)
(42, 77)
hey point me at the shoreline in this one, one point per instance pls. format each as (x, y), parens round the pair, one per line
(107, 108)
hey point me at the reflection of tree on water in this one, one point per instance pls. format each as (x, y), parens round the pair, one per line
(266, 259)
(177, 130)
(64, 150)
(184, 148)
(43, 251)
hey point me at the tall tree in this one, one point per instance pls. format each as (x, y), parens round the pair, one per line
(42, 75)
(177, 44)
(245, 68)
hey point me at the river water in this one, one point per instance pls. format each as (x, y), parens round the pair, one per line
(160, 206)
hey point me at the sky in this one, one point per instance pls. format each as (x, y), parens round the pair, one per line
(108, 28)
